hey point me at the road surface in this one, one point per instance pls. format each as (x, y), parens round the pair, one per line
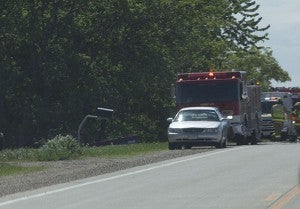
(261, 176)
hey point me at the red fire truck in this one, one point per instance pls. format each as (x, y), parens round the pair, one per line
(237, 99)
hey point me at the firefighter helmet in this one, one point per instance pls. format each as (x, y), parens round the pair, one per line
(297, 105)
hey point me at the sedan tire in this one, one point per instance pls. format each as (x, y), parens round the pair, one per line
(219, 145)
(172, 146)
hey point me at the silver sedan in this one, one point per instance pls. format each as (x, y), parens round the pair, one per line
(198, 126)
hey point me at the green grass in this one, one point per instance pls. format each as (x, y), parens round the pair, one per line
(29, 154)
(10, 169)
(9, 157)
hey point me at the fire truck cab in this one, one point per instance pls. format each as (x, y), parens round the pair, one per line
(237, 99)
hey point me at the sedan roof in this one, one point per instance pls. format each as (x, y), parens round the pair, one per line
(199, 108)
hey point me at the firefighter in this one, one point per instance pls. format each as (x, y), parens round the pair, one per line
(297, 110)
(296, 116)
(279, 115)
(278, 111)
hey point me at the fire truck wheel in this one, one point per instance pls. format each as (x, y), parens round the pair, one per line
(224, 144)
(253, 139)
(240, 140)
(230, 134)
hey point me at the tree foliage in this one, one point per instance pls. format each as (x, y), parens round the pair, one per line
(260, 64)
(60, 60)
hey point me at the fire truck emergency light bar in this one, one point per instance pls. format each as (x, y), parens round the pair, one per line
(272, 98)
(208, 75)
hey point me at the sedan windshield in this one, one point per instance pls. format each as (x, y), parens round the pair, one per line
(196, 115)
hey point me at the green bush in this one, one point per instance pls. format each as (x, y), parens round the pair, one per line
(60, 148)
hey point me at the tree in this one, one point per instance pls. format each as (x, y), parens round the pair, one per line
(60, 60)
(260, 65)
(242, 25)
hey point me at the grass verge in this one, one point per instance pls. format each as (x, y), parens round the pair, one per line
(10, 169)
(29, 154)
(8, 157)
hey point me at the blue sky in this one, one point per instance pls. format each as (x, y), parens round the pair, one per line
(284, 35)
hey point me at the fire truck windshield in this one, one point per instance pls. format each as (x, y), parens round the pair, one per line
(266, 107)
(195, 92)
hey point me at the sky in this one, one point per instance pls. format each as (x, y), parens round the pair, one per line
(284, 35)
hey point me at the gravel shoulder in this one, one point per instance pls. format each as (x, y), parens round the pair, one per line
(65, 171)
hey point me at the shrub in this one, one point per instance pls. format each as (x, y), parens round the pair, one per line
(21, 154)
(60, 148)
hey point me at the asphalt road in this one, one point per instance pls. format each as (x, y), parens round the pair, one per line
(262, 176)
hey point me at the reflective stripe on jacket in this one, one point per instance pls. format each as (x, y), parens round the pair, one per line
(278, 112)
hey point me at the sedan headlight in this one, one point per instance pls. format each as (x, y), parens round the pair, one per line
(175, 130)
(210, 130)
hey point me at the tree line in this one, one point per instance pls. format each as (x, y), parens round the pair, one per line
(61, 59)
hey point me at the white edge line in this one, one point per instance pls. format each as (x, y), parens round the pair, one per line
(115, 177)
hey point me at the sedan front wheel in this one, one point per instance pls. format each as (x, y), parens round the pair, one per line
(172, 146)
(219, 145)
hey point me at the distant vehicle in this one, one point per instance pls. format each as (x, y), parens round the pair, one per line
(267, 126)
(294, 91)
(271, 123)
(198, 126)
(293, 119)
